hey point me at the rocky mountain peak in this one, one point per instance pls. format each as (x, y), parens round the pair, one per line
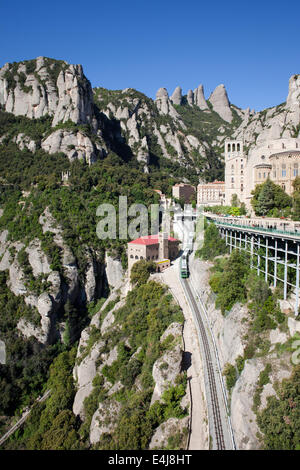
(190, 97)
(176, 97)
(220, 103)
(43, 86)
(199, 98)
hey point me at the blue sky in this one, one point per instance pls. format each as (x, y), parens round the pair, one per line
(250, 46)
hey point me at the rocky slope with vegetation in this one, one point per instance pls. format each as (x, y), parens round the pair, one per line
(256, 347)
(55, 274)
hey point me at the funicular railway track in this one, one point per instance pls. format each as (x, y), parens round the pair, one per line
(217, 421)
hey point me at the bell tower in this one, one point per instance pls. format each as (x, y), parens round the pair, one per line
(163, 245)
(235, 164)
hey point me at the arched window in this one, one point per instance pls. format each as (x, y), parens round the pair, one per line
(228, 148)
(131, 256)
(283, 169)
(136, 257)
(238, 147)
(233, 147)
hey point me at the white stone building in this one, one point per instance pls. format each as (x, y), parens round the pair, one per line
(277, 159)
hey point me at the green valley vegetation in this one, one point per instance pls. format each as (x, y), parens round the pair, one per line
(139, 324)
(31, 182)
(23, 376)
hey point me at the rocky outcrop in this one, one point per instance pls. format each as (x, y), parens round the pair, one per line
(23, 141)
(104, 419)
(176, 97)
(85, 372)
(47, 87)
(199, 99)
(243, 418)
(164, 105)
(37, 258)
(114, 271)
(190, 97)
(168, 366)
(220, 103)
(75, 145)
(280, 121)
(170, 428)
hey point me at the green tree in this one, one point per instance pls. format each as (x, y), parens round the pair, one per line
(235, 202)
(213, 244)
(280, 420)
(141, 271)
(268, 197)
(232, 285)
(296, 198)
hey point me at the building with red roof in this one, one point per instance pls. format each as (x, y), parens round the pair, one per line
(158, 248)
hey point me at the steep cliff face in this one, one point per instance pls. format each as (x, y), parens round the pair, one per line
(45, 290)
(230, 333)
(110, 372)
(45, 86)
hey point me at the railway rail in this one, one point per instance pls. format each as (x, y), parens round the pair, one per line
(217, 421)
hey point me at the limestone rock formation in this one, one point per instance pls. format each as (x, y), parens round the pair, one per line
(84, 372)
(164, 105)
(199, 99)
(280, 121)
(45, 86)
(220, 103)
(168, 366)
(171, 427)
(75, 145)
(190, 97)
(176, 96)
(104, 419)
(114, 271)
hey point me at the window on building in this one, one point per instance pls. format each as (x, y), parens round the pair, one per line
(233, 147)
(283, 170)
(264, 175)
(131, 256)
(242, 172)
(228, 148)
(238, 147)
(232, 180)
(295, 169)
(259, 175)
